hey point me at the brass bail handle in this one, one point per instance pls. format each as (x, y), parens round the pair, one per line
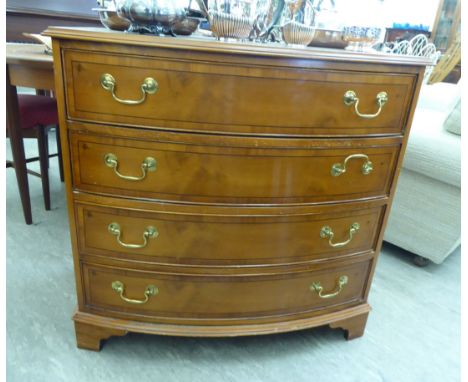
(327, 233)
(148, 165)
(317, 287)
(340, 168)
(119, 287)
(350, 98)
(149, 233)
(149, 86)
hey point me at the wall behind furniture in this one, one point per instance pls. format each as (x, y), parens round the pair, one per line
(34, 16)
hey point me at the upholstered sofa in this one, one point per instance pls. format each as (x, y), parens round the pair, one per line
(425, 216)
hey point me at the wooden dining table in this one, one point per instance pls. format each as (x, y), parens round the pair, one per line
(27, 65)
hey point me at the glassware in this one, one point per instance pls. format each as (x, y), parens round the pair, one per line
(361, 39)
(360, 30)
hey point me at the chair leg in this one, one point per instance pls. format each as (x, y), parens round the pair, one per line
(59, 151)
(46, 144)
(43, 161)
(17, 147)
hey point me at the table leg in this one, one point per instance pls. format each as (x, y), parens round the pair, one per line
(17, 147)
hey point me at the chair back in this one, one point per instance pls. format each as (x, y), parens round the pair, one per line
(447, 62)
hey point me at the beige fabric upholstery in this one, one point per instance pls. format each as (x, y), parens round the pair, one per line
(453, 122)
(425, 216)
(431, 150)
(440, 97)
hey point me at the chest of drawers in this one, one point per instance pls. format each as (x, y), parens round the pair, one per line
(224, 189)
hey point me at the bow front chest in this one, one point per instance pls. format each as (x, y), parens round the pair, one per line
(224, 189)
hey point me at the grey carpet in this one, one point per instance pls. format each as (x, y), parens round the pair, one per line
(413, 332)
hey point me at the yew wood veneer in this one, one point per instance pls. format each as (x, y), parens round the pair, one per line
(224, 189)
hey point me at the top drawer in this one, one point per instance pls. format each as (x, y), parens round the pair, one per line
(232, 98)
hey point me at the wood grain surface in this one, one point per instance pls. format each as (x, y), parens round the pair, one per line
(231, 239)
(220, 298)
(224, 98)
(244, 136)
(218, 174)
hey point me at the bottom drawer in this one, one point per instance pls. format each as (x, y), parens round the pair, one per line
(166, 297)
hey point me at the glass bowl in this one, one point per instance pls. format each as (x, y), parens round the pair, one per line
(361, 38)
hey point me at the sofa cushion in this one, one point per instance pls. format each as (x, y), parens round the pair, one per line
(453, 122)
(440, 96)
(431, 150)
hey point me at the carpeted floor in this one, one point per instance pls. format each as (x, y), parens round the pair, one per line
(412, 335)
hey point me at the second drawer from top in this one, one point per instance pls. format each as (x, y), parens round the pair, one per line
(242, 171)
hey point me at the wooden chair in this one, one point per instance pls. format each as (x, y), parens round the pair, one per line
(448, 61)
(37, 112)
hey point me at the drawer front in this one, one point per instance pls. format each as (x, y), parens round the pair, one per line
(189, 235)
(214, 174)
(164, 296)
(223, 97)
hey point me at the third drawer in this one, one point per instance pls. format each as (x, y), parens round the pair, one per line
(225, 236)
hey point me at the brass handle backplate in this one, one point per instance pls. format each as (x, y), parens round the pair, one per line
(149, 86)
(148, 164)
(149, 233)
(327, 233)
(340, 168)
(350, 98)
(317, 287)
(119, 287)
